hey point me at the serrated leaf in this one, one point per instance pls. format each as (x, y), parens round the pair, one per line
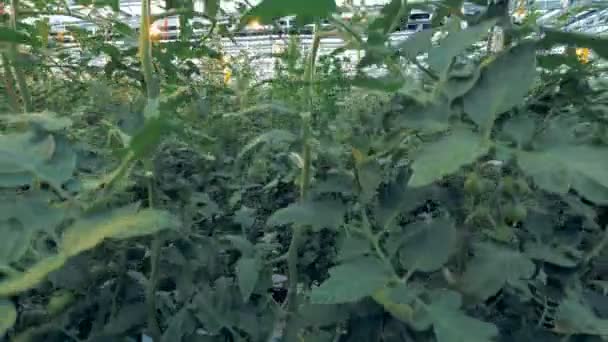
(440, 57)
(416, 44)
(492, 267)
(428, 245)
(450, 324)
(550, 255)
(520, 128)
(31, 277)
(44, 121)
(353, 247)
(371, 274)
(369, 175)
(128, 317)
(577, 167)
(335, 183)
(242, 244)
(8, 35)
(123, 223)
(145, 141)
(388, 14)
(179, 325)
(388, 83)
(247, 273)
(275, 136)
(25, 157)
(22, 216)
(432, 117)
(393, 199)
(322, 314)
(446, 156)
(574, 316)
(8, 316)
(503, 84)
(245, 217)
(459, 81)
(316, 214)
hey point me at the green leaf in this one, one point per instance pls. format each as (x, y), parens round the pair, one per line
(86, 233)
(441, 57)
(212, 7)
(376, 50)
(8, 35)
(493, 267)
(428, 117)
(21, 217)
(416, 44)
(242, 244)
(389, 83)
(394, 199)
(8, 316)
(36, 273)
(547, 172)
(428, 245)
(552, 255)
(334, 183)
(316, 214)
(26, 157)
(274, 136)
(450, 324)
(503, 84)
(353, 247)
(446, 156)
(245, 217)
(323, 314)
(575, 317)
(369, 174)
(15, 242)
(147, 139)
(247, 273)
(520, 128)
(42, 121)
(123, 223)
(460, 81)
(129, 317)
(578, 167)
(554, 37)
(268, 10)
(388, 14)
(181, 324)
(370, 274)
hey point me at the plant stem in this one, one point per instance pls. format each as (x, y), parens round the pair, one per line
(145, 50)
(154, 263)
(9, 80)
(21, 81)
(292, 253)
(152, 92)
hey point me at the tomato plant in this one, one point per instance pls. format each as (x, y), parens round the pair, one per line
(459, 194)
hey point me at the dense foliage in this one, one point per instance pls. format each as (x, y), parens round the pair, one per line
(458, 197)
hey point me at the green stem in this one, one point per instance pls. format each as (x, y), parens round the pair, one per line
(9, 84)
(292, 253)
(145, 50)
(21, 81)
(306, 157)
(155, 331)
